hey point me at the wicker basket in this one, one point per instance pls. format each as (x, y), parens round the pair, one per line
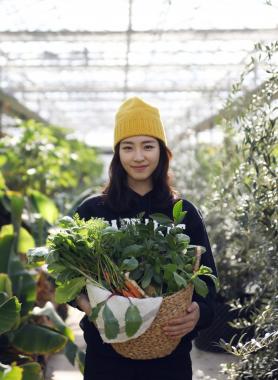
(154, 343)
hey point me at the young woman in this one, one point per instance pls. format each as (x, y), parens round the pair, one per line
(139, 181)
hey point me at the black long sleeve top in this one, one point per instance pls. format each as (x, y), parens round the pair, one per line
(95, 206)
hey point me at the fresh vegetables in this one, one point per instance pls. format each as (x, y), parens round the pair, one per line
(140, 258)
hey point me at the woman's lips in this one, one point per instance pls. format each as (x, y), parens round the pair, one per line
(139, 168)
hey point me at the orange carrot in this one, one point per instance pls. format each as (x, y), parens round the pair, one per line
(134, 289)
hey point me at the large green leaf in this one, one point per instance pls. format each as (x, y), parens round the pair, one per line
(9, 314)
(5, 284)
(17, 204)
(49, 311)
(6, 251)
(69, 290)
(32, 371)
(25, 240)
(43, 340)
(24, 285)
(11, 373)
(45, 206)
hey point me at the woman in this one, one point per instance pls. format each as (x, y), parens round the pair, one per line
(139, 182)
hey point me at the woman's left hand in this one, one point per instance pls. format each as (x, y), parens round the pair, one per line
(178, 327)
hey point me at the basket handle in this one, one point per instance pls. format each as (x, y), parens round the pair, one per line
(198, 253)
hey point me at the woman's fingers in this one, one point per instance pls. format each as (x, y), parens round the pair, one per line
(183, 325)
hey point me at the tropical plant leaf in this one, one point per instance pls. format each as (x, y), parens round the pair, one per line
(11, 372)
(44, 340)
(32, 371)
(45, 206)
(49, 311)
(6, 285)
(9, 314)
(6, 250)
(25, 240)
(69, 290)
(17, 204)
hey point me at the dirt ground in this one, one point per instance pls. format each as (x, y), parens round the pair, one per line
(205, 365)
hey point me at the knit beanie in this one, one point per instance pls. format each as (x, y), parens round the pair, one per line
(134, 118)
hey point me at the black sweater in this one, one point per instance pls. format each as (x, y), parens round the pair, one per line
(95, 206)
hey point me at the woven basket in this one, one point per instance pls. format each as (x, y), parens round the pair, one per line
(154, 343)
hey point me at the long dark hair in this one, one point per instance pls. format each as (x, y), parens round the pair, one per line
(116, 191)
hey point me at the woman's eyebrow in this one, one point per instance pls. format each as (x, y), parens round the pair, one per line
(142, 142)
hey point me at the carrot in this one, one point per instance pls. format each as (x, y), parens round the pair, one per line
(133, 287)
(106, 277)
(126, 293)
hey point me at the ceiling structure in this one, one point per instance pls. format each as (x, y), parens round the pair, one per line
(73, 62)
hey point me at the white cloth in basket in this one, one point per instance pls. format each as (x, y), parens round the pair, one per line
(148, 308)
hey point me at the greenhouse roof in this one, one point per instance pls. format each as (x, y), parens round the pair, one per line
(74, 62)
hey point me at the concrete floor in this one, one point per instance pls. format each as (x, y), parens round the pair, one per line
(205, 365)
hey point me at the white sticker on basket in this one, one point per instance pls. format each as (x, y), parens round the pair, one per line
(148, 308)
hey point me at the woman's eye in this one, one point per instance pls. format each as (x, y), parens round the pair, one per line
(149, 147)
(126, 148)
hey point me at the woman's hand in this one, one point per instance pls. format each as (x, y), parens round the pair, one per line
(178, 327)
(84, 304)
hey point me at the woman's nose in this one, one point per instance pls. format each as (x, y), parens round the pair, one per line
(138, 155)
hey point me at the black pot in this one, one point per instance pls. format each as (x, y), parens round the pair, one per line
(208, 339)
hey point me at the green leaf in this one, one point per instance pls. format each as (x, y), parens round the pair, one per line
(178, 214)
(132, 250)
(9, 314)
(180, 281)
(6, 284)
(69, 290)
(162, 219)
(24, 285)
(129, 264)
(37, 254)
(32, 371)
(200, 286)
(17, 204)
(111, 324)
(45, 206)
(80, 360)
(43, 340)
(6, 250)
(147, 277)
(11, 373)
(49, 311)
(25, 240)
(133, 320)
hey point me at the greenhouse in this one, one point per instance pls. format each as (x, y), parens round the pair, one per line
(96, 99)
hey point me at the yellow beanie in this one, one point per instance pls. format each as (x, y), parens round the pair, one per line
(135, 117)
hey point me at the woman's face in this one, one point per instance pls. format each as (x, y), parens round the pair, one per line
(139, 156)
